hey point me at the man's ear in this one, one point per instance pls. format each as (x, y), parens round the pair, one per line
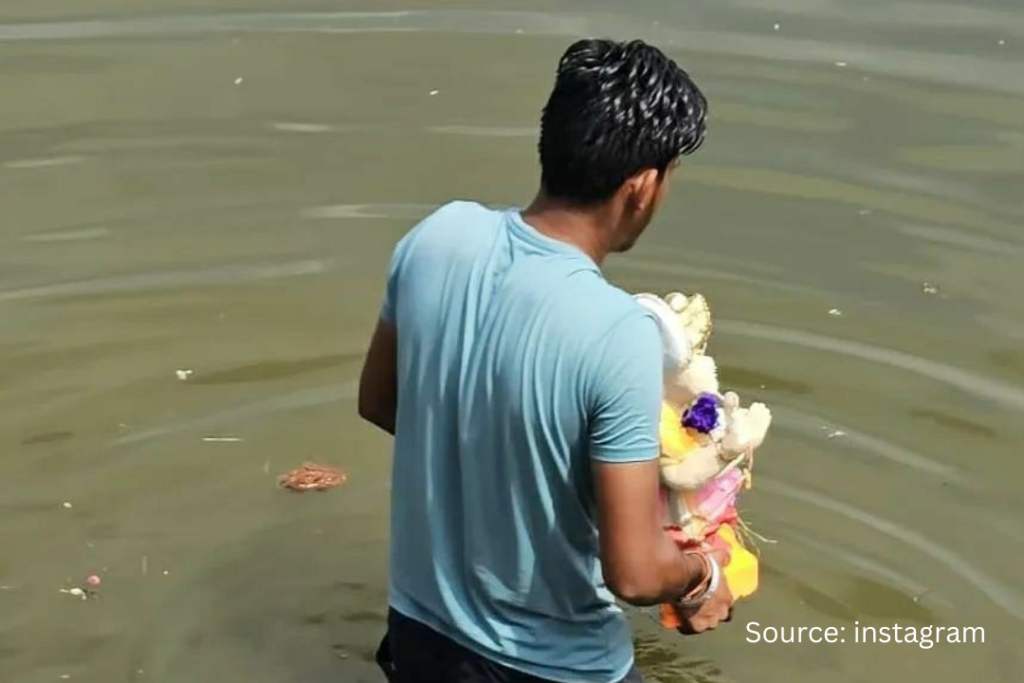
(644, 189)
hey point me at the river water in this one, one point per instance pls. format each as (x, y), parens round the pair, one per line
(214, 186)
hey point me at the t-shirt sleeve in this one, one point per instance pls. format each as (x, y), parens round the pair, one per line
(626, 392)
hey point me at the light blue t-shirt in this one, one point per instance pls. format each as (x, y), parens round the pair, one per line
(517, 365)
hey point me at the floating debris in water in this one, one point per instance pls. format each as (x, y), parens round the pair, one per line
(434, 92)
(312, 477)
(239, 80)
(1001, 42)
(183, 375)
(777, 26)
(77, 592)
(93, 581)
(865, 212)
(841, 64)
(929, 288)
(144, 565)
(835, 312)
(222, 439)
(832, 433)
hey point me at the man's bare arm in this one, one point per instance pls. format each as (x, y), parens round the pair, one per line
(378, 384)
(642, 565)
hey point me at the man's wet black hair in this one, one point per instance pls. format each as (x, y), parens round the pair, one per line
(617, 108)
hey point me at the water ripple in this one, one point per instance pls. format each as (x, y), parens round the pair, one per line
(68, 235)
(1004, 596)
(296, 127)
(982, 387)
(962, 70)
(305, 398)
(336, 211)
(957, 238)
(129, 283)
(814, 427)
(47, 162)
(487, 131)
(911, 586)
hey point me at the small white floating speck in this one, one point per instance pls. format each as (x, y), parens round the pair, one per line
(777, 26)
(434, 92)
(221, 439)
(239, 80)
(66, 505)
(77, 592)
(929, 288)
(841, 64)
(836, 434)
(864, 212)
(167, 572)
(835, 312)
(1002, 42)
(183, 374)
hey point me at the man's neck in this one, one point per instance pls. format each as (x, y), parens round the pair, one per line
(584, 228)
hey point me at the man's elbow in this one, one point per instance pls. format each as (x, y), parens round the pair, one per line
(377, 415)
(637, 588)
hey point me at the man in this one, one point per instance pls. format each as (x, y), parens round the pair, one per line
(524, 393)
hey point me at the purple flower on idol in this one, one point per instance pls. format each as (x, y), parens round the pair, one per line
(702, 415)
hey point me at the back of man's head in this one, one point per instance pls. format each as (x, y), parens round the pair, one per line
(617, 108)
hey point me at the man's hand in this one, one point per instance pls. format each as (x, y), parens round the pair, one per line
(716, 610)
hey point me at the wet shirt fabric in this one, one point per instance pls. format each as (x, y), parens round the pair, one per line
(518, 366)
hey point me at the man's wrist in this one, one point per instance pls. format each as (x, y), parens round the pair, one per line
(710, 577)
(692, 571)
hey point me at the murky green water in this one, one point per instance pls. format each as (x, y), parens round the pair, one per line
(215, 185)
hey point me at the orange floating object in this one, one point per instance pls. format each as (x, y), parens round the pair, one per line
(312, 477)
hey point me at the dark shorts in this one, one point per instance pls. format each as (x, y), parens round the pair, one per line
(414, 653)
